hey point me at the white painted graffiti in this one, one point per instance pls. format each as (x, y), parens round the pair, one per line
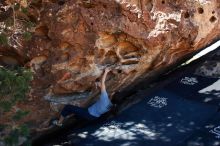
(216, 131)
(189, 81)
(113, 125)
(157, 102)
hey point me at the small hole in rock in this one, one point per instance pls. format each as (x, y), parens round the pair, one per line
(212, 19)
(57, 59)
(104, 6)
(186, 15)
(61, 2)
(213, 12)
(200, 10)
(1, 9)
(163, 2)
(119, 71)
(91, 23)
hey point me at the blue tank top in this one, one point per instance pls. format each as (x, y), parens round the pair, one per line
(102, 105)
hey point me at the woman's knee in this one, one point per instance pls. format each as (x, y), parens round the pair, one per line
(68, 107)
(66, 110)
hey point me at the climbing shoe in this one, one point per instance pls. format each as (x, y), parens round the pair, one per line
(55, 122)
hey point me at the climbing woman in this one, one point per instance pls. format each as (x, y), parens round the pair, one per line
(101, 106)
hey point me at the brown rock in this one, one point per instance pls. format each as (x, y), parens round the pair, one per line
(134, 36)
(9, 60)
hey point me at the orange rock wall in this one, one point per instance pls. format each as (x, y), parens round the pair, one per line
(134, 37)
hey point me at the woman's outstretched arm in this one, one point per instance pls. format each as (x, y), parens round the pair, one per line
(103, 88)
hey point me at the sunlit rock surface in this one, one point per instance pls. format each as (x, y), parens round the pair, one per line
(133, 37)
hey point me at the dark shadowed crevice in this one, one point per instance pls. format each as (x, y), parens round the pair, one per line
(186, 15)
(212, 19)
(200, 10)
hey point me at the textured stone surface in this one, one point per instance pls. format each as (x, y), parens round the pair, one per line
(210, 68)
(134, 37)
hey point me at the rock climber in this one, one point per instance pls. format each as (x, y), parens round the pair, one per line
(101, 106)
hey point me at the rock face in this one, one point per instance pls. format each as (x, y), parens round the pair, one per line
(211, 67)
(133, 37)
